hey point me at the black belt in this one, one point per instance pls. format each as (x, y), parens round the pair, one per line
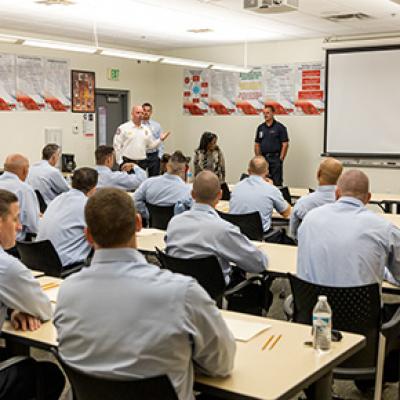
(272, 154)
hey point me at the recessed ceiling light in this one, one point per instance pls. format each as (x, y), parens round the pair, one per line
(59, 46)
(200, 30)
(55, 2)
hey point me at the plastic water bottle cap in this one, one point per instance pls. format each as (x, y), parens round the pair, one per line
(322, 298)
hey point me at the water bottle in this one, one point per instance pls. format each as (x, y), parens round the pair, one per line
(189, 176)
(322, 324)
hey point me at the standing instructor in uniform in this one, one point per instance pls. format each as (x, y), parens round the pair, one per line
(272, 142)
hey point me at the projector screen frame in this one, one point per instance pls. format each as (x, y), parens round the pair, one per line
(351, 50)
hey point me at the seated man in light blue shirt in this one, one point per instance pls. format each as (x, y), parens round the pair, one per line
(344, 243)
(157, 322)
(45, 177)
(201, 232)
(105, 159)
(164, 190)
(63, 223)
(257, 193)
(328, 174)
(16, 169)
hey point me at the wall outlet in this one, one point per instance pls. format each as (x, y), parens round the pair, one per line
(75, 129)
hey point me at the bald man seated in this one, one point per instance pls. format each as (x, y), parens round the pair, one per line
(328, 174)
(344, 243)
(16, 168)
(201, 232)
(257, 193)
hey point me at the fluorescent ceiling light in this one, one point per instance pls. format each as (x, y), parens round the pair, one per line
(9, 39)
(232, 68)
(59, 46)
(185, 62)
(131, 55)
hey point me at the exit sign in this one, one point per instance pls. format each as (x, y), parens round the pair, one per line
(113, 74)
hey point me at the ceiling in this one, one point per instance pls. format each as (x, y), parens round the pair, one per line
(164, 24)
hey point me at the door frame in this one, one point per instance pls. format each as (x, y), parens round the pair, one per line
(111, 92)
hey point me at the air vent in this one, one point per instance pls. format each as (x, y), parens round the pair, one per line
(55, 2)
(201, 30)
(348, 17)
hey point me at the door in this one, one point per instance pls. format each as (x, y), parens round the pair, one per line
(111, 111)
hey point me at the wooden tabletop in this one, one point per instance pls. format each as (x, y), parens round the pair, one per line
(270, 374)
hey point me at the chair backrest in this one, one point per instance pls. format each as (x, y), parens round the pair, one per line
(89, 387)
(40, 255)
(310, 190)
(354, 309)
(206, 271)
(159, 216)
(243, 176)
(42, 203)
(286, 193)
(226, 193)
(249, 224)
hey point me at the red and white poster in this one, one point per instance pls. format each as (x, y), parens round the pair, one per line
(7, 82)
(57, 85)
(30, 83)
(309, 89)
(224, 87)
(278, 87)
(196, 86)
(250, 96)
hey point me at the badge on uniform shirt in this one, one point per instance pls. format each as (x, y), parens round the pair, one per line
(260, 134)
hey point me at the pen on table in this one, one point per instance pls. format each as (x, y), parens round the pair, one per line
(267, 342)
(275, 342)
(50, 285)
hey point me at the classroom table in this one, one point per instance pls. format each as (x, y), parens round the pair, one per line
(36, 274)
(278, 373)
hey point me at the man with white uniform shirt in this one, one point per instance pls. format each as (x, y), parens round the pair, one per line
(105, 159)
(133, 139)
(45, 177)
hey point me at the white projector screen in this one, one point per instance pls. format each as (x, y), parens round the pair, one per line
(363, 102)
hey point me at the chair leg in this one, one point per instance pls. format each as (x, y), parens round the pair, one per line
(380, 362)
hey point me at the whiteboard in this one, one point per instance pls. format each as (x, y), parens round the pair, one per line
(363, 102)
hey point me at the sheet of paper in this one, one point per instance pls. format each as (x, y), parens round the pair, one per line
(243, 331)
(147, 232)
(52, 294)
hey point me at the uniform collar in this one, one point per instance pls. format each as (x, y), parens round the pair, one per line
(256, 178)
(102, 168)
(172, 177)
(11, 175)
(76, 192)
(326, 188)
(204, 208)
(351, 201)
(270, 126)
(126, 254)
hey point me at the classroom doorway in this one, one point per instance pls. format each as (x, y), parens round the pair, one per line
(111, 111)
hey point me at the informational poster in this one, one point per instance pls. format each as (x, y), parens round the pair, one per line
(249, 99)
(278, 87)
(7, 82)
(83, 91)
(309, 88)
(224, 87)
(30, 83)
(196, 92)
(89, 125)
(57, 85)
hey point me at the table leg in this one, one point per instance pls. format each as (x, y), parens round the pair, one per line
(322, 389)
(17, 349)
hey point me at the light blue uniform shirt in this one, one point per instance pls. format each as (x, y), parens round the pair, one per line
(163, 190)
(345, 244)
(28, 203)
(156, 131)
(201, 232)
(119, 179)
(323, 195)
(157, 322)
(19, 290)
(254, 194)
(47, 179)
(63, 224)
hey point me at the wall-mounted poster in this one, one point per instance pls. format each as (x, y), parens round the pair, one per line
(57, 86)
(223, 92)
(30, 83)
(195, 92)
(83, 95)
(7, 82)
(250, 95)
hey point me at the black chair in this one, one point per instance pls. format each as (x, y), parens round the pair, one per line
(42, 203)
(42, 256)
(226, 193)
(357, 310)
(286, 193)
(249, 224)
(89, 387)
(310, 190)
(243, 176)
(159, 216)
(206, 271)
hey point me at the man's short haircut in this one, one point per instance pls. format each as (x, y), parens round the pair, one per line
(258, 165)
(177, 162)
(330, 170)
(110, 217)
(354, 183)
(6, 199)
(206, 186)
(270, 106)
(49, 150)
(102, 152)
(84, 179)
(147, 105)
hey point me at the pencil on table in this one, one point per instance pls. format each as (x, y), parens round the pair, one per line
(267, 342)
(275, 342)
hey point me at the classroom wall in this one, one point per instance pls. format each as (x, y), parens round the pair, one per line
(236, 133)
(23, 131)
